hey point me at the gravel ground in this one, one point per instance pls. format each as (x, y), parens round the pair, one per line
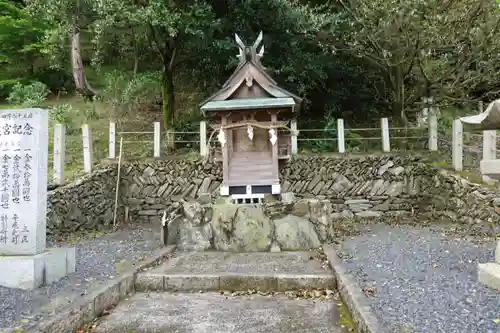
(424, 281)
(97, 260)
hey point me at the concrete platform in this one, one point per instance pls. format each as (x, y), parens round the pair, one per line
(489, 274)
(215, 313)
(256, 263)
(212, 271)
(30, 272)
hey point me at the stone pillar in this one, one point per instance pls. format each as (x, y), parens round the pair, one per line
(156, 139)
(457, 145)
(489, 149)
(224, 189)
(59, 153)
(274, 119)
(87, 148)
(25, 262)
(340, 135)
(203, 138)
(433, 132)
(293, 127)
(112, 140)
(489, 273)
(386, 144)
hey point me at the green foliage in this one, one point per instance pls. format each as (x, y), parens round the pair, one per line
(128, 94)
(90, 112)
(353, 141)
(20, 34)
(32, 94)
(62, 114)
(421, 48)
(7, 85)
(355, 60)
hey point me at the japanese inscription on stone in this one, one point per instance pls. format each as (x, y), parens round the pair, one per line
(23, 181)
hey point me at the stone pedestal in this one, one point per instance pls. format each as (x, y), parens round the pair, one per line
(24, 260)
(489, 273)
(30, 272)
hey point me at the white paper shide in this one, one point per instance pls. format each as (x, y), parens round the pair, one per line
(221, 137)
(272, 136)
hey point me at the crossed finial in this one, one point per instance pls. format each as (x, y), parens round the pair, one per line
(247, 53)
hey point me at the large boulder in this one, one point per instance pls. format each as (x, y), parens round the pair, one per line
(296, 233)
(191, 238)
(241, 228)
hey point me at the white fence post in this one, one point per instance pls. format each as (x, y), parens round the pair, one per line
(386, 144)
(489, 148)
(59, 153)
(457, 145)
(156, 139)
(293, 127)
(340, 135)
(433, 132)
(87, 148)
(112, 140)
(203, 138)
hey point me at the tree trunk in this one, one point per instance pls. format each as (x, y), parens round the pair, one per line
(81, 84)
(168, 97)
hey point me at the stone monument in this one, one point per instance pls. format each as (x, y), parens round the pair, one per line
(488, 122)
(25, 262)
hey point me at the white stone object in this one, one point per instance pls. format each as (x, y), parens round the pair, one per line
(224, 190)
(490, 168)
(433, 132)
(340, 135)
(156, 139)
(59, 153)
(273, 138)
(497, 253)
(24, 260)
(384, 125)
(112, 140)
(203, 138)
(489, 149)
(221, 137)
(250, 132)
(293, 128)
(487, 120)
(489, 274)
(457, 145)
(87, 148)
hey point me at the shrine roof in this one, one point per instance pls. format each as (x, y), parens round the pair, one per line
(250, 85)
(248, 104)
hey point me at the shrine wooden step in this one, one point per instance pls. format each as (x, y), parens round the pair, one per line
(239, 181)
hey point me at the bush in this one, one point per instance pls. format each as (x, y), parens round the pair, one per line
(62, 114)
(32, 94)
(7, 85)
(129, 94)
(55, 79)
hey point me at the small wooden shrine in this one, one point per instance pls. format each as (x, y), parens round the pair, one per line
(250, 116)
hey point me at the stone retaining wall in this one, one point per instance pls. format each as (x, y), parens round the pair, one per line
(85, 204)
(362, 186)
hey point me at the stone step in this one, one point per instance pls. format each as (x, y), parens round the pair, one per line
(232, 282)
(249, 176)
(260, 271)
(216, 313)
(489, 274)
(253, 165)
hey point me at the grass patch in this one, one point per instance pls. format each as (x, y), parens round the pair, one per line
(345, 317)
(470, 176)
(98, 115)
